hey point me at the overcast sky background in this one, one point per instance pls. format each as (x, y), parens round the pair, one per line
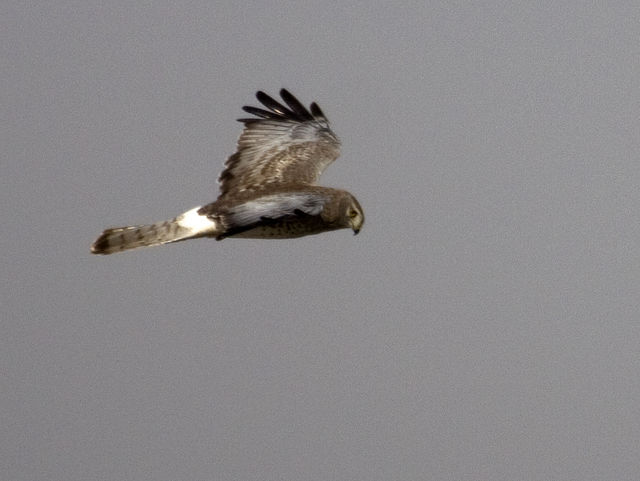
(484, 325)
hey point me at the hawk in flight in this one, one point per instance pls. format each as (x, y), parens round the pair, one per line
(267, 188)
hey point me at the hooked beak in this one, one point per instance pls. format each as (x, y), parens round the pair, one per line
(356, 225)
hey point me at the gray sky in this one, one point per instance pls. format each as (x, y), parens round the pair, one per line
(484, 325)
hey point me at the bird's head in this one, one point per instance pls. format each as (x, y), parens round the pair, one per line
(353, 214)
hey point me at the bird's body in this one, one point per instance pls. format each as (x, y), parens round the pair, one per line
(267, 188)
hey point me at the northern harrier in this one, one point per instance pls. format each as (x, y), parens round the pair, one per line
(267, 189)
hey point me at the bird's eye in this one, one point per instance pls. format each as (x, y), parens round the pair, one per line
(353, 214)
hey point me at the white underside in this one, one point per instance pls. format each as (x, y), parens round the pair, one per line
(196, 223)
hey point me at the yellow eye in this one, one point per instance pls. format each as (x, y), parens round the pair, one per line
(353, 214)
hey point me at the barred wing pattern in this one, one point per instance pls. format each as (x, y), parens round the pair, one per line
(284, 145)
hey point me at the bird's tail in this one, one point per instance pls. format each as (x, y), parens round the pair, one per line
(189, 225)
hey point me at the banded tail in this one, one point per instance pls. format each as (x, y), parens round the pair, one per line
(189, 225)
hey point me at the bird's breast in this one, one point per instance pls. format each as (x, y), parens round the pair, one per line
(285, 229)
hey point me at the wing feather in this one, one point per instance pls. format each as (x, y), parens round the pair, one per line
(282, 145)
(273, 207)
(243, 216)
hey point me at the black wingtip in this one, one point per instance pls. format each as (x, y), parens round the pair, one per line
(273, 104)
(316, 111)
(295, 105)
(294, 109)
(257, 111)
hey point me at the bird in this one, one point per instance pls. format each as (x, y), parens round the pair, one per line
(268, 187)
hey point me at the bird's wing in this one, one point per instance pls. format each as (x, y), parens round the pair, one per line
(282, 145)
(264, 210)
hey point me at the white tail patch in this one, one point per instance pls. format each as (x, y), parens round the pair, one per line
(186, 226)
(196, 224)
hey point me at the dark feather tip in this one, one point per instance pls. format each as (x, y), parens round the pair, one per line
(295, 105)
(273, 104)
(257, 111)
(294, 109)
(316, 111)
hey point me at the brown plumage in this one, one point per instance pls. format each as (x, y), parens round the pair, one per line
(267, 188)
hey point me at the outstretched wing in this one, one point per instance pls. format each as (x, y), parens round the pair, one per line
(284, 145)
